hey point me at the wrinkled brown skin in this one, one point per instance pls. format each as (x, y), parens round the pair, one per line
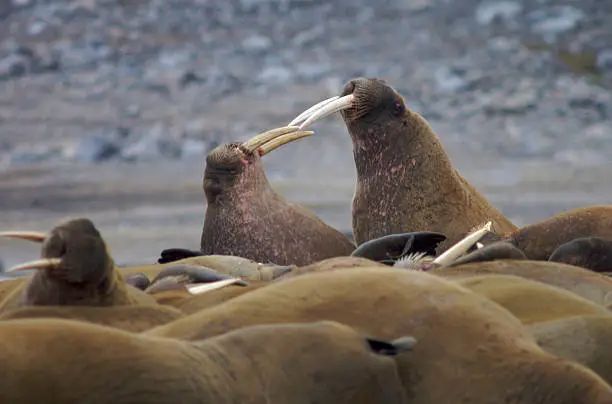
(587, 284)
(244, 268)
(405, 179)
(247, 218)
(583, 339)
(136, 318)
(331, 264)
(324, 363)
(594, 253)
(539, 240)
(87, 275)
(531, 301)
(469, 349)
(492, 252)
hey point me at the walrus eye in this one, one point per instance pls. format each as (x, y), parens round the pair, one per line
(398, 108)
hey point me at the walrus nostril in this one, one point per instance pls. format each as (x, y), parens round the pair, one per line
(349, 88)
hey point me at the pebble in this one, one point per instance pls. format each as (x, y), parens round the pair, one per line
(155, 143)
(99, 146)
(487, 12)
(555, 20)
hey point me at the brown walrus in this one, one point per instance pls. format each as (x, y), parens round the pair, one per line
(540, 239)
(469, 349)
(531, 301)
(587, 284)
(76, 269)
(582, 339)
(594, 253)
(134, 318)
(405, 179)
(59, 361)
(247, 218)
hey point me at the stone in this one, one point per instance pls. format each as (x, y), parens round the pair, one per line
(555, 20)
(487, 12)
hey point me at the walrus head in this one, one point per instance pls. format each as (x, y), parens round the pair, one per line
(237, 164)
(73, 252)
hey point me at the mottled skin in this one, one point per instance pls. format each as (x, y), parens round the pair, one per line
(594, 253)
(405, 179)
(469, 350)
(58, 361)
(531, 301)
(135, 318)
(247, 218)
(582, 339)
(87, 275)
(496, 251)
(244, 268)
(587, 284)
(539, 240)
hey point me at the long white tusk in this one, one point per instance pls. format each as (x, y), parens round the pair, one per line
(45, 263)
(34, 236)
(310, 110)
(258, 140)
(450, 255)
(209, 287)
(333, 107)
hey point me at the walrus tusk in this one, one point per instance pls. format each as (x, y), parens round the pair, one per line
(339, 104)
(450, 255)
(209, 287)
(45, 263)
(281, 140)
(256, 141)
(301, 117)
(34, 236)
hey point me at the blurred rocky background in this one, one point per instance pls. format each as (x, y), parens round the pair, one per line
(108, 107)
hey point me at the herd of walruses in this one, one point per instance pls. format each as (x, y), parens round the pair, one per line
(439, 298)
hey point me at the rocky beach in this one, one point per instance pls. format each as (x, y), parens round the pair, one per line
(108, 107)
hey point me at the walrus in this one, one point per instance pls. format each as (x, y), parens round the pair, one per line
(499, 250)
(325, 362)
(531, 301)
(230, 265)
(469, 348)
(75, 269)
(247, 218)
(582, 339)
(405, 179)
(134, 318)
(587, 284)
(539, 240)
(189, 303)
(388, 249)
(594, 253)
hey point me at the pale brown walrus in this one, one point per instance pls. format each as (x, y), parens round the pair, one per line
(245, 217)
(469, 348)
(583, 339)
(75, 269)
(539, 240)
(58, 361)
(405, 179)
(587, 284)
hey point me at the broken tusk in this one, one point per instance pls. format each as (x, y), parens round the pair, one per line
(34, 236)
(45, 263)
(301, 117)
(209, 287)
(339, 104)
(450, 255)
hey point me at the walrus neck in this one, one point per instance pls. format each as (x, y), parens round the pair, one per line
(43, 290)
(396, 172)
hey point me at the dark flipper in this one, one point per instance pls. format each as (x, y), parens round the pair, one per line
(594, 253)
(500, 250)
(195, 274)
(138, 280)
(388, 249)
(175, 254)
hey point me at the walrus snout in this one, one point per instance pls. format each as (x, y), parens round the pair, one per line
(370, 95)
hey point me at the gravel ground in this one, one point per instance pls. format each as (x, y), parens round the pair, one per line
(107, 107)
